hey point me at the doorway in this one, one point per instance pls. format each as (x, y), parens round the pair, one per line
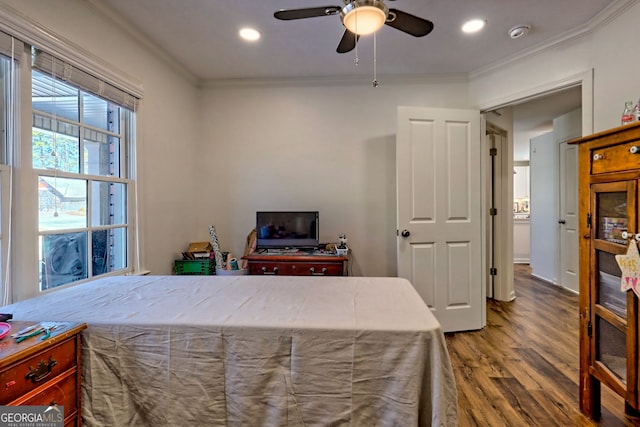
(524, 119)
(551, 198)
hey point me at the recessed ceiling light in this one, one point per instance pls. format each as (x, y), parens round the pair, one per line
(249, 34)
(473, 26)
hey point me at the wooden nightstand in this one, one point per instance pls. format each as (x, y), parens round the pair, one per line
(38, 372)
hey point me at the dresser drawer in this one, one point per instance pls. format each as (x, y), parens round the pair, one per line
(30, 373)
(62, 390)
(269, 268)
(316, 269)
(296, 265)
(616, 158)
(296, 268)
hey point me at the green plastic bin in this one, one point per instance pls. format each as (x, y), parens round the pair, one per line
(203, 267)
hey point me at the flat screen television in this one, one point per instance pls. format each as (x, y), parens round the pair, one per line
(279, 230)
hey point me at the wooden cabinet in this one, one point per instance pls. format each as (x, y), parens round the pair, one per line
(43, 372)
(296, 265)
(609, 164)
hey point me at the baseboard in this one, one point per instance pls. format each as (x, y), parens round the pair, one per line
(544, 279)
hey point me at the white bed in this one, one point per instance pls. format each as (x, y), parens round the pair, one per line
(255, 351)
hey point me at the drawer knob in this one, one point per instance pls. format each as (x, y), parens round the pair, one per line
(598, 156)
(41, 371)
(626, 235)
(634, 149)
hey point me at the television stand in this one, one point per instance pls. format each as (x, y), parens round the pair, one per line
(296, 264)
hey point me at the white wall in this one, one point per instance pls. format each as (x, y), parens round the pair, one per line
(168, 127)
(316, 147)
(615, 60)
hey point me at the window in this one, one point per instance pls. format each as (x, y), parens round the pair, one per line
(80, 150)
(9, 67)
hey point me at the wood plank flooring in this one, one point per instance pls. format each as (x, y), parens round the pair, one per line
(522, 368)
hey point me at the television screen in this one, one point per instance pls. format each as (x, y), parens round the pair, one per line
(277, 230)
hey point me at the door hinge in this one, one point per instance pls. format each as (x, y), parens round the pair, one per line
(589, 329)
(589, 220)
(493, 271)
(493, 211)
(493, 151)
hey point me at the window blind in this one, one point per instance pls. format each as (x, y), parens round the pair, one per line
(49, 64)
(6, 46)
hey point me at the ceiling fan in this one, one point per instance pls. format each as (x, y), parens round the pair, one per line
(361, 17)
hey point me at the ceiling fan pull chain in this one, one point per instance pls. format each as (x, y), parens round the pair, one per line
(375, 82)
(355, 60)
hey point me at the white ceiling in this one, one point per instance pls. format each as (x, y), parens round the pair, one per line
(201, 35)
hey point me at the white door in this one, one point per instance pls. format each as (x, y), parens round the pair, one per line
(568, 216)
(544, 205)
(439, 186)
(567, 127)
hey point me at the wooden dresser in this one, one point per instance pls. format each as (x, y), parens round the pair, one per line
(296, 265)
(609, 213)
(37, 372)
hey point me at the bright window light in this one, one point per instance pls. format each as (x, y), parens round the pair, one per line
(249, 34)
(473, 26)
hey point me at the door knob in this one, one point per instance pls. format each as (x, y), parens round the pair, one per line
(562, 221)
(405, 233)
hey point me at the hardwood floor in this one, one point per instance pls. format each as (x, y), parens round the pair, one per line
(522, 368)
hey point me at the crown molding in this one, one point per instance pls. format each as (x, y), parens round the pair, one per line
(350, 80)
(610, 13)
(157, 50)
(26, 29)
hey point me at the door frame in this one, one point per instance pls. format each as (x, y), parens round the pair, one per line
(497, 239)
(503, 287)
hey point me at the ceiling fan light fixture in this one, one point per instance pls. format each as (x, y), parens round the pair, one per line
(364, 17)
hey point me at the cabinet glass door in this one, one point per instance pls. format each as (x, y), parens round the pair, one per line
(611, 214)
(613, 344)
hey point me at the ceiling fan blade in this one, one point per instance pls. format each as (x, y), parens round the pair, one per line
(408, 23)
(310, 12)
(347, 42)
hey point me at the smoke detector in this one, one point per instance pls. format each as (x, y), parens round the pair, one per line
(519, 31)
